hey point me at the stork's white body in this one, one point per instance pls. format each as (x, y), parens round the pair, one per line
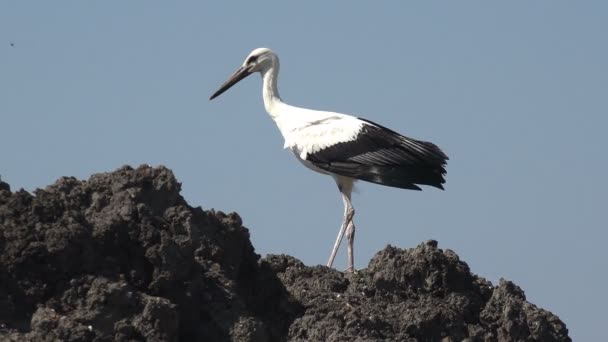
(304, 130)
(343, 146)
(308, 131)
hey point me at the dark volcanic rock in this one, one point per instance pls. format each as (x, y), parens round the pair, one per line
(122, 257)
(420, 294)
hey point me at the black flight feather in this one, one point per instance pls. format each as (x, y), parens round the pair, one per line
(380, 155)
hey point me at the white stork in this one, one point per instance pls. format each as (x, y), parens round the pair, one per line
(343, 146)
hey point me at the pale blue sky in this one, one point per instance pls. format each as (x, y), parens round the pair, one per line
(515, 93)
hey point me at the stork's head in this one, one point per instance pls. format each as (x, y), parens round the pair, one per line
(259, 60)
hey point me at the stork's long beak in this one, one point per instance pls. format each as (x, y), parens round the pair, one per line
(238, 75)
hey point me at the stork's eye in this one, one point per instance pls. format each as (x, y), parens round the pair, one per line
(252, 59)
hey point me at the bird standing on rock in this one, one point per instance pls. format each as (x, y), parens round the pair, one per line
(343, 146)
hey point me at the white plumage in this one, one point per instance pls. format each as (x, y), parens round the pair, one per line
(346, 147)
(314, 136)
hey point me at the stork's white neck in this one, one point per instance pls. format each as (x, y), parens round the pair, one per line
(270, 91)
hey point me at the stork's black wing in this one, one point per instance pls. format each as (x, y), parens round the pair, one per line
(380, 155)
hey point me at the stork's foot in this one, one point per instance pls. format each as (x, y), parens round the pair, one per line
(350, 269)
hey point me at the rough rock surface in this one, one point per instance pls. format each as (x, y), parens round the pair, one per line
(122, 257)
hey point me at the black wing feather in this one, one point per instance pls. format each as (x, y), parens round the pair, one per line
(380, 155)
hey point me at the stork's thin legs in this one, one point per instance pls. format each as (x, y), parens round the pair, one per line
(349, 212)
(350, 237)
(345, 185)
(332, 256)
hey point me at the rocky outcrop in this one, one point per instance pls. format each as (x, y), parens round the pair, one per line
(122, 257)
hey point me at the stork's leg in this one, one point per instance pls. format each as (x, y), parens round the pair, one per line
(348, 215)
(350, 237)
(346, 187)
